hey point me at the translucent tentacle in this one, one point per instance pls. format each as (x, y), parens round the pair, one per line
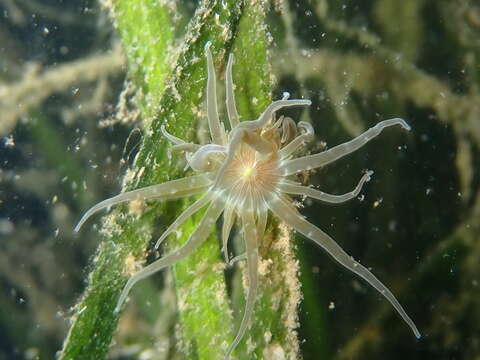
(237, 258)
(198, 236)
(296, 189)
(200, 161)
(267, 115)
(184, 216)
(262, 217)
(250, 234)
(339, 151)
(173, 139)
(173, 189)
(295, 144)
(186, 147)
(212, 109)
(228, 219)
(288, 214)
(289, 130)
(231, 107)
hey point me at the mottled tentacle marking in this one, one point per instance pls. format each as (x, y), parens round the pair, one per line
(245, 173)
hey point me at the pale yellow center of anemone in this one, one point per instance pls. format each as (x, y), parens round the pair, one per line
(247, 171)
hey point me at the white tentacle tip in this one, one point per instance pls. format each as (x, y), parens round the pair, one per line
(82, 221)
(285, 95)
(207, 45)
(368, 175)
(404, 124)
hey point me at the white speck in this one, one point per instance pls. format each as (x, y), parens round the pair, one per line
(304, 52)
(377, 202)
(6, 226)
(9, 141)
(392, 225)
(331, 306)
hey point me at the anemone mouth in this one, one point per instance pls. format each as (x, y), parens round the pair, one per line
(251, 174)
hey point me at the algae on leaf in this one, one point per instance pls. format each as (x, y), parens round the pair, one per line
(127, 236)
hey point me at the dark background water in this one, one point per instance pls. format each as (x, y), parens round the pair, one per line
(62, 149)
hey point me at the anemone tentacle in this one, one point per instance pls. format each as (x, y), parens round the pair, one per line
(290, 187)
(324, 158)
(170, 190)
(184, 216)
(251, 244)
(232, 113)
(290, 216)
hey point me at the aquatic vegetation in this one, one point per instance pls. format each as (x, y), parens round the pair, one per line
(245, 173)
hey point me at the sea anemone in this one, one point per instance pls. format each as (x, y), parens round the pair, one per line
(243, 174)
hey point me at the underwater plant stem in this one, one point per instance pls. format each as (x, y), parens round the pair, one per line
(146, 32)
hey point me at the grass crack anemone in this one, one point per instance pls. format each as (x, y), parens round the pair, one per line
(244, 173)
